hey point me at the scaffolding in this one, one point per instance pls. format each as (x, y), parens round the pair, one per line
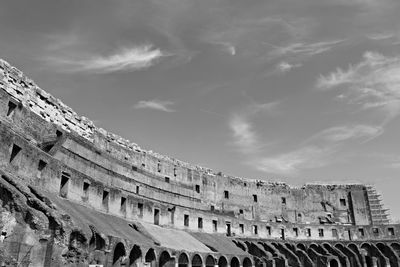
(379, 214)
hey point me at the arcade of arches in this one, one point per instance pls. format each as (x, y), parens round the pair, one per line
(265, 254)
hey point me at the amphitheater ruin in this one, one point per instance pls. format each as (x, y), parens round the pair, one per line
(73, 194)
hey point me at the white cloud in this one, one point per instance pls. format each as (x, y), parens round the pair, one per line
(344, 133)
(380, 36)
(286, 67)
(243, 134)
(245, 137)
(291, 163)
(371, 84)
(126, 59)
(304, 48)
(155, 104)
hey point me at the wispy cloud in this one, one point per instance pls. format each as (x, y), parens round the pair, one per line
(245, 137)
(155, 104)
(243, 133)
(126, 59)
(292, 162)
(286, 66)
(380, 36)
(371, 84)
(348, 132)
(304, 49)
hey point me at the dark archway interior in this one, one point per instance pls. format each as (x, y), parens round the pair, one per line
(196, 261)
(166, 260)
(247, 262)
(135, 255)
(333, 263)
(210, 262)
(222, 262)
(183, 260)
(119, 253)
(235, 262)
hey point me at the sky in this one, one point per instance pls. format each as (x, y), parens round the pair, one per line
(299, 91)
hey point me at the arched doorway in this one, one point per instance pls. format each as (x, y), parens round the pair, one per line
(135, 256)
(119, 255)
(247, 262)
(183, 260)
(210, 261)
(197, 261)
(150, 258)
(166, 260)
(235, 262)
(222, 262)
(333, 263)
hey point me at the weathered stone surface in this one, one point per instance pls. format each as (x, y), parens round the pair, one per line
(72, 194)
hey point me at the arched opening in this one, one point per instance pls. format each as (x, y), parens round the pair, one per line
(333, 263)
(197, 261)
(183, 260)
(119, 255)
(135, 256)
(166, 260)
(222, 262)
(77, 240)
(247, 262)
(210, 261)
(235, 262)
(97, 242)
(150, 258)
(301, 246)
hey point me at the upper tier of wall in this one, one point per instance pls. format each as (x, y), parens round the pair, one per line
(54, 110)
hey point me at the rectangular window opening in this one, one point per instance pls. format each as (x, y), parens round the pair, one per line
(175, 172)
(86, 189)
(241, 227)
(343, 202)
(186, 220)
(105, 197)
(226, 194)
(156, 216)
(140, 209)
(212, 208)
(197, 187)
(321, 232)
(268, 228)
(283, 200)
(334, 233)
(137, 189)
(391, 231)
(14, 152)
(241, 211)
(11, 108)
(123, 204)
(64, 185)
(255, 199)
(308, 232)
(228, 229)
(296, 231)
(283, 234)
(41, 165)
(159, 167)
(361, 232)
(200, 223)
(171, 212)
(255, 230)
(134, 168)
(167, 179)
(215, 225)
(375, 231)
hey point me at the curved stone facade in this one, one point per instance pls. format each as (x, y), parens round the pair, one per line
(78, 195)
